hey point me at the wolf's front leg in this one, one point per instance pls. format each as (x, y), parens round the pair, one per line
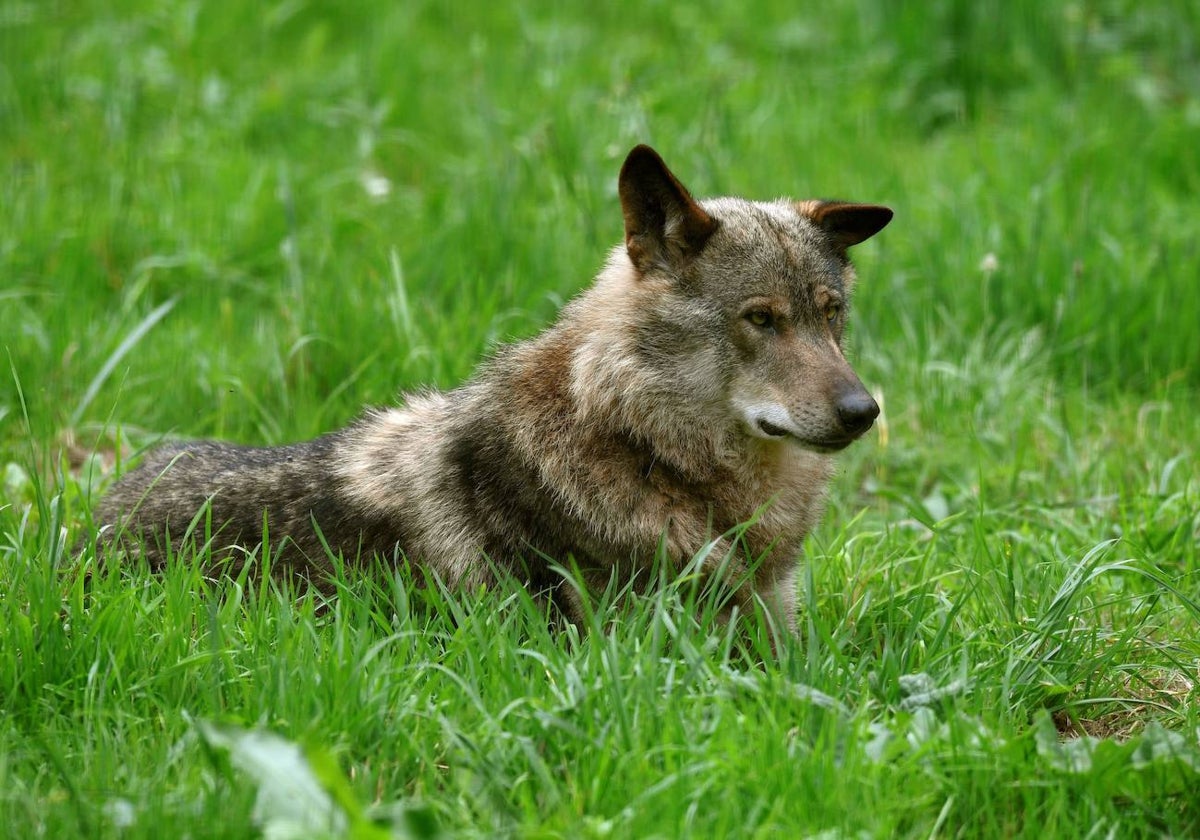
(775, 586)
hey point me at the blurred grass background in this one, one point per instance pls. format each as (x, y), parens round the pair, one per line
(291, 174)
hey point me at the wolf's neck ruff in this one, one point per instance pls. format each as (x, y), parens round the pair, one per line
(638, 370)
(698, 384)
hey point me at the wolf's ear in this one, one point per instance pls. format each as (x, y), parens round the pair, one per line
(847, 224)
(663, 223)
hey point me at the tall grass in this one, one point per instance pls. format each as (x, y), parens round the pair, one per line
(249, 221)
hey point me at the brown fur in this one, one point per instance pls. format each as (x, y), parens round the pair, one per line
(698, 384)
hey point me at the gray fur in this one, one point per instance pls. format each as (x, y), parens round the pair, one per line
(655, 411)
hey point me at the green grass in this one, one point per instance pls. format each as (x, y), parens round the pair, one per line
(1012, 562)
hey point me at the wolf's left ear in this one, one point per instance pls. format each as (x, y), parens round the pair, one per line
(847, 224)
(663, 223)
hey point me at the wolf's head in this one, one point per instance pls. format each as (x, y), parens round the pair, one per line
(733, 309)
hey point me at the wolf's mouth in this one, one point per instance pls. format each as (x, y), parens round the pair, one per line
(769, 428)
(827, 445)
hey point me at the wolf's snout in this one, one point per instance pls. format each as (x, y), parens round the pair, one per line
(856, 410)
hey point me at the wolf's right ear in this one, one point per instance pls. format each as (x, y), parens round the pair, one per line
(663, 223)
(846, 223)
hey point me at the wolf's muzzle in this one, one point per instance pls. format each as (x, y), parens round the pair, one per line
(856, 410)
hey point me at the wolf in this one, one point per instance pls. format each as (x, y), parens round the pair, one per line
(696, 386)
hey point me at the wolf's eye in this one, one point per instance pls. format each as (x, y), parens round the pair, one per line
(832, 312)
(759, 318)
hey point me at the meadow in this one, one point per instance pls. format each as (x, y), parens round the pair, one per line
(248, 221)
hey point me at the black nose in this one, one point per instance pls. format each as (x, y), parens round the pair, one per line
(857, 411)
